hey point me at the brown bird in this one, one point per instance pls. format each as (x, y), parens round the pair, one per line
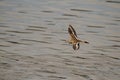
(74, 39)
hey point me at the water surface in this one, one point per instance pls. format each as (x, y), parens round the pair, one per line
(33, 34)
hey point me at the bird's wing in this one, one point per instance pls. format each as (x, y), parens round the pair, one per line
(72, 30)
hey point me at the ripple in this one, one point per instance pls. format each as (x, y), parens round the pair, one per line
(107, 48)
(113, 1)
(117, 20)
(86, 76)
(117, 36)
(23, 32)
(115, 40)
(54, 48)
(115, 46)
(81, 10)
(92, 31)
(36, 41)
(47, 71)
(38, 27)
(15, 42)
(1, 50)
(114, 57)
(111, 23)
(4, 45)
(83, 75)
(2, 33)
(36, 30)
(5, 65)
(4, 26)
(59, 77)
(70, 15)
(48, 37)
(24, 12)
(48, 21)
(66, 52)
(96, 26)
(79, 57)
(62, 18)
(50, 24)
(47, 11)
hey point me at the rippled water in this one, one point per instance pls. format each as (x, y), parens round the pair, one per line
(33, 34)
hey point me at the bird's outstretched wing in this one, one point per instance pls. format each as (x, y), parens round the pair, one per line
(71, 30)
(72, 33)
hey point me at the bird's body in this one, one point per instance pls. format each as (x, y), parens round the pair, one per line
(74, 39)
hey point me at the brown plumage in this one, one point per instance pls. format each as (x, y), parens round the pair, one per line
(74, 39)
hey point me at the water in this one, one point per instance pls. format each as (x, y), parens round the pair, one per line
(32, 34)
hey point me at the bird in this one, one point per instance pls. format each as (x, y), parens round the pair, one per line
(74, 40)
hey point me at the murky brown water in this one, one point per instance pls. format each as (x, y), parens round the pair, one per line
(32, 34)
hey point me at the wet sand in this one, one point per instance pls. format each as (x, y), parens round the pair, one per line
(32, 34)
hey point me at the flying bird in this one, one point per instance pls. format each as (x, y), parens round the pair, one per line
(74, 39)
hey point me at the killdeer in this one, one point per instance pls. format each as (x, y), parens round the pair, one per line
(74, 39)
